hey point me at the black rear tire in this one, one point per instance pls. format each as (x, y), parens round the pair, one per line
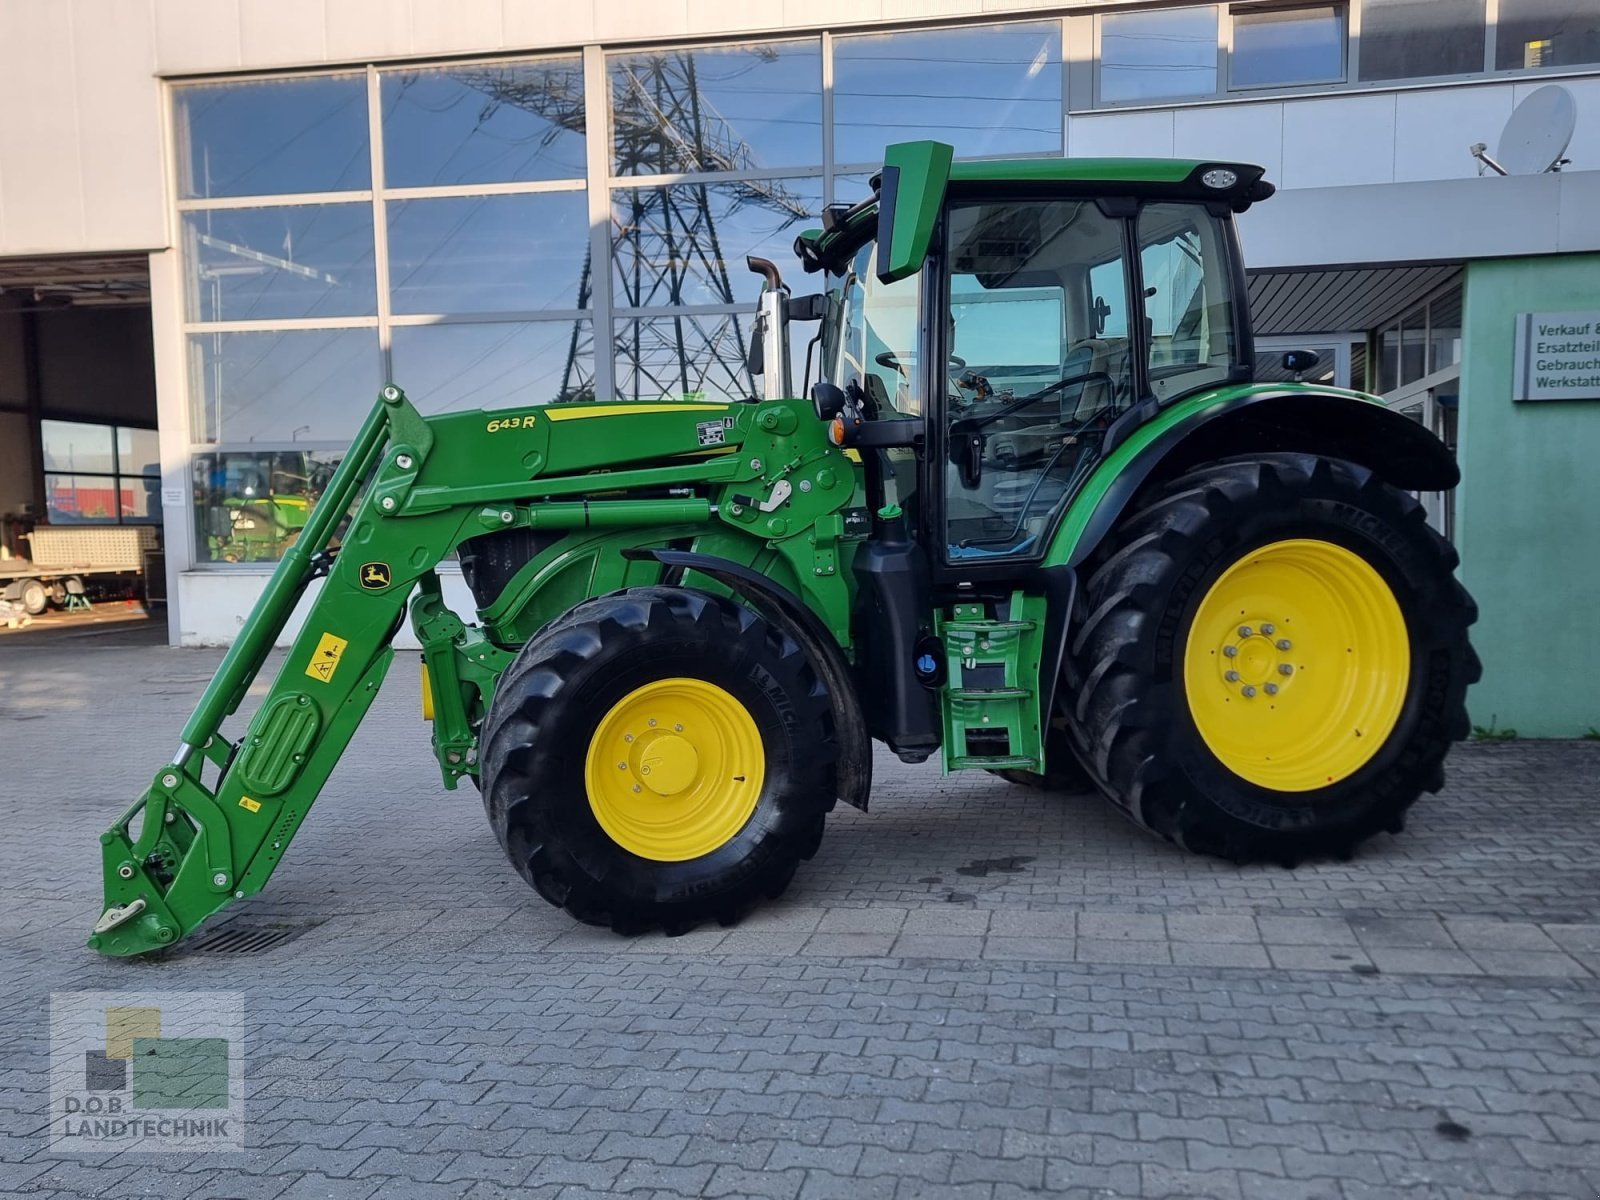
(1132, 724)
(553, 698)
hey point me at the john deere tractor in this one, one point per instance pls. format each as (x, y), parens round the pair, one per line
(1032, 516)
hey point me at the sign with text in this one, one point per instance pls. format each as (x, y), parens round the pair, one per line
(1557, 357)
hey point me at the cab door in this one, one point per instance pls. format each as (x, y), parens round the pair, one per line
(1037, 364)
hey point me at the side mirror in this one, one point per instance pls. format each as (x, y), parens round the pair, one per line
(828, 399)
(1298, 362)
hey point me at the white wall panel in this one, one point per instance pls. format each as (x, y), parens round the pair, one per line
(1441, 220)
(40, 177)
(357, 30)
(709, 17)
(625, 20)
(1338, 142)
(197, 35)
(1120, 135)
(456, 26)
(1244, 132)
(282, 32)
(1433, 130)
(120, 115)
(536, 23)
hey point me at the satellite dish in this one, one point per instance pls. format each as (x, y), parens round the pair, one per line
(1536, 136)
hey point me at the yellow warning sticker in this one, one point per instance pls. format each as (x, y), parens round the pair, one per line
(325, 658)
(252, 805)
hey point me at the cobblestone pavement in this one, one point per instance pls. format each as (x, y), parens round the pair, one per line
(976, 991)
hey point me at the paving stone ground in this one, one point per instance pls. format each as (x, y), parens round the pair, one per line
(975, 991)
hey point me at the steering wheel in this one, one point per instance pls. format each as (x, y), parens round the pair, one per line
(906, 363)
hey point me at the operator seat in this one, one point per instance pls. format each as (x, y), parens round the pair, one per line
(1091, 354)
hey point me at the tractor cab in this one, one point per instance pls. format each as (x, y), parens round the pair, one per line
(991, 330)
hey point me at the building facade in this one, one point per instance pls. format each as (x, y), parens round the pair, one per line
(223, 223)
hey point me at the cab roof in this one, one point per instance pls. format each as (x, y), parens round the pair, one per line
(846, 228)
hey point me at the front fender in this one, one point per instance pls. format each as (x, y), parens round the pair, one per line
(1258, 419)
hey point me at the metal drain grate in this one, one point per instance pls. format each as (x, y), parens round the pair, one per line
(246, 939)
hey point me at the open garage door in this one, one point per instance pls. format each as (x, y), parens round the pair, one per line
(80, 462)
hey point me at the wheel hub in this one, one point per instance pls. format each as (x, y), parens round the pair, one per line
(1297, 665)
(665, 763)
(674, 769)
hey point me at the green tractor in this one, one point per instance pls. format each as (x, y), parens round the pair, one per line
(1034, 518)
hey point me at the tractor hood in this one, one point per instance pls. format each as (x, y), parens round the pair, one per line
(911, 188)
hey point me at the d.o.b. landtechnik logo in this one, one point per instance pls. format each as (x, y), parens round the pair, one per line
(146, 1071)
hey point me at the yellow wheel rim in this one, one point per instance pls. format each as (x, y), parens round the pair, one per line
(1296, 665)
(674, 770)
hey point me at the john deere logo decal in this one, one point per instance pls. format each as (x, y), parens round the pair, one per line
(374, 576)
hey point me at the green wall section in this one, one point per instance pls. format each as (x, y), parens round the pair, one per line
(1528, 512)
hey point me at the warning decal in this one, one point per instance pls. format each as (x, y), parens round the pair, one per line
(249, 805)
(325, 658)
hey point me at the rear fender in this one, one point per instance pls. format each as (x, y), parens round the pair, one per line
(1256, 420)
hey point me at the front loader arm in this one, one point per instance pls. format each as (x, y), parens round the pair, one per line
(408, 493)
(199, 846)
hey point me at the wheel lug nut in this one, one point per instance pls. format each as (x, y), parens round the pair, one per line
(1245, 631)
(1249, 690)
(1284, 644)
(1285, 669)
(1229, 651)
(1268, 630)
(677, 729)
(1232, 677)
(652, 722)
(1271, 689)
(622, 766)
(637, 788)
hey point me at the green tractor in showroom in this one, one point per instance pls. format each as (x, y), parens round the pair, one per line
(1034, 518)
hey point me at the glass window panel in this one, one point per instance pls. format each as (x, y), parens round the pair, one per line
(302, 385)
(687, 244)
(266, 264)
(1156, 55)
(1389, 359)
(494, 364)
(76, 446)
(488, 123)
(1444, 332)
(273, 137)
(80, 499)
(138, 451)
(1413, 347)
(1413, 39)
(1188, 308)
(140, 497)
(1547, 33)
(250, 505)
(896, 87)
(697, 357)
(1287, 46)
(488, 253)
(717, 108)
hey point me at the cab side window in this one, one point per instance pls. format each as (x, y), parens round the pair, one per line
(1038, 366)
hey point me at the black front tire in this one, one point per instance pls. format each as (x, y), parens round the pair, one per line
(554, 696)
(1131, 721)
